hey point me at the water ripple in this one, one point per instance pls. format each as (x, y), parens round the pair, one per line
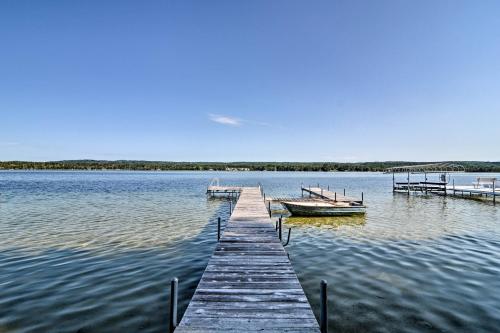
(95, 251)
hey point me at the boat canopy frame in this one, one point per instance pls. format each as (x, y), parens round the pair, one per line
(444, 167)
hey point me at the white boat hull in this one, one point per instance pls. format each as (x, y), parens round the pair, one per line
(298, 209)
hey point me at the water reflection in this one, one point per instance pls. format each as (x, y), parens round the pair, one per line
(334, 222)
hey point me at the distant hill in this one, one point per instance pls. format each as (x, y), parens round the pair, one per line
(471, 166)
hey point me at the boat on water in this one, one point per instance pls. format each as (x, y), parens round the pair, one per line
(323, 208)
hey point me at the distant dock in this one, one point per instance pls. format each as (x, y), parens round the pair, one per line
(483, 186)
(330, 195)
(249, 284)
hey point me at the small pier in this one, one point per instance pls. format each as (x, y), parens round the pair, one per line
(249, 284)
(326, 194)
(214, 188)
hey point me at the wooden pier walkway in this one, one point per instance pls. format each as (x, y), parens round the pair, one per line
(329, 195)
(249, 284)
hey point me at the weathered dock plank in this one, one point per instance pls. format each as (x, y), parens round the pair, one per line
(249, 284)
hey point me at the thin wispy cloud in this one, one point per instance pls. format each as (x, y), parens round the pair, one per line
(233, 121)
(225, 120)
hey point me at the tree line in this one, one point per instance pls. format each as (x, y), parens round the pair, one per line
(471, 166)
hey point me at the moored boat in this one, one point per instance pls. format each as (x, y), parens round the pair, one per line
(321, 208)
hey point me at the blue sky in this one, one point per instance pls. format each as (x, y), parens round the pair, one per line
(250, 80)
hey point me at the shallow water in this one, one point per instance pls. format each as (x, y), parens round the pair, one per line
(95, 251)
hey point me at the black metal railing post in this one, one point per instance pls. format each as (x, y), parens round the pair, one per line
(323, 317)
(173, 305)
(279, 228)
(218, 229)
(288, 238)
(230, 207)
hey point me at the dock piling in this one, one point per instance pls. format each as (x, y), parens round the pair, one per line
(408, 183)
(279, 228)
(323, 319)
(393, 185)
(218, 229)
(173, 305)
(494, 195)
(230, 207)
(288, 237)
(362, 197)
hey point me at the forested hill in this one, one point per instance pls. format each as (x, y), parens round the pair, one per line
(471, 166)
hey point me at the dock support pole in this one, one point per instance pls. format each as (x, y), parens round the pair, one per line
(279, 228)
(344, 192)
(494, 195)
(362, 197)
(393, 188)
(218, 229)
(425, 180)
(445, 183)
(288, 238)
(328, 188)
(269, 208)
(230, 207)
(335, 196)
(173, 305)
(323, 318)
(408, 182)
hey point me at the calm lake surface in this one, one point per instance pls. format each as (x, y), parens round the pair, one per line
(95, 251)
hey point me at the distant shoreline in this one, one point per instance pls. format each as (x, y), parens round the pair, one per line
(125, 165)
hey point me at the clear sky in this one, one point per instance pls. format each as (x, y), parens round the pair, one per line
(250, 80)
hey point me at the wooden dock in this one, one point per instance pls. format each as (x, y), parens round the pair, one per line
(444, 188)
(249, 284)
(214, 190)
(329, 195)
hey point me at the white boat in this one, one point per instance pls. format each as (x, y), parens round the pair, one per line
(322, 208)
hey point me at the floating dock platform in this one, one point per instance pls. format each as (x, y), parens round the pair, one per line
(249, 284)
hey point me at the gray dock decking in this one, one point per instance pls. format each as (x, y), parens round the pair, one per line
(249, 284)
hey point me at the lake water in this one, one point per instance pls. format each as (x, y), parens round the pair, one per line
(95, 251)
